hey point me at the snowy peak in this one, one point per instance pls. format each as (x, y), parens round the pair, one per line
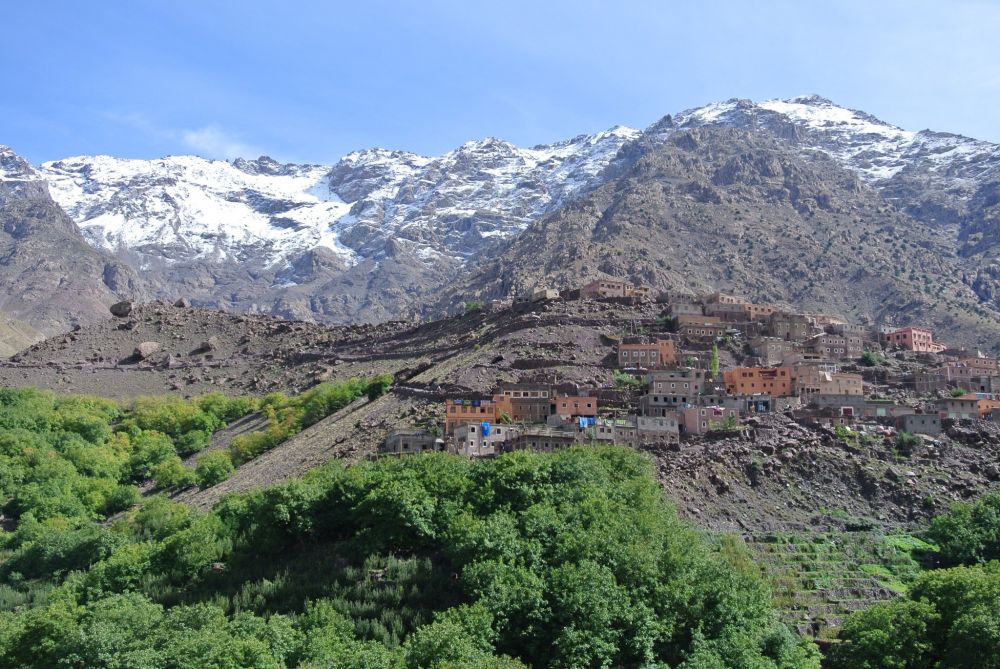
(877, 151)
(370, 204)
(15, 168)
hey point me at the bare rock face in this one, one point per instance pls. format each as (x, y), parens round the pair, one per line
(147, 349)
(50, 278)
(121, 309)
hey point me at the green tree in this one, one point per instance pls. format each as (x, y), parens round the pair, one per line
(213, 468)
(713, 364)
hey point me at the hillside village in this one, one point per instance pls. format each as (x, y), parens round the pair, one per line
(713, 364)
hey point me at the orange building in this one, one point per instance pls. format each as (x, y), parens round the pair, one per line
(463, 412)
(775, 381)
(915, 339)
(574, 406)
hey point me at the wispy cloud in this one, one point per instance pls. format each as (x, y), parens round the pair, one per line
(209, 141)
(213, 141)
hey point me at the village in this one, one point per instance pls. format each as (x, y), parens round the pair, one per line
(671, 385)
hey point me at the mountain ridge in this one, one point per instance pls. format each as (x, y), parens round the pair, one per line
(382, 233)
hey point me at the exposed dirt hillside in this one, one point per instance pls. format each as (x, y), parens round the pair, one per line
(16, 335)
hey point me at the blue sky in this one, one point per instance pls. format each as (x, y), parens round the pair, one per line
(310, 81)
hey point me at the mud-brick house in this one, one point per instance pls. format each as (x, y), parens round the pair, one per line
(771, 351)
(481, 410)
(790, 327)
(919, 423)
(961, 407)
(808, 380)
(647, 355)
(481, 440)
(920, 340)
(834, 347)
(685, 380)
(573, 406)
(544, 439)
(529, 402)
(621, 431)
(702, 419)
(704, 331)
(659, 429)
(410, 442)
(776, 381)
(599, 288)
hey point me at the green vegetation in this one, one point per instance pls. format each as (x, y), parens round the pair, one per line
(958, 392)
(70, 459)
(287, 416)
(713, 364)
(969, 533)
(906, 443)
(572, 559)
(625, 381)
(473, 305)
(948, 620)
(871, 359)
(213, 468)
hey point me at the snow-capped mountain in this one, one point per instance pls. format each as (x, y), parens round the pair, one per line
(187, 208)
(938, 178)
(373, 235)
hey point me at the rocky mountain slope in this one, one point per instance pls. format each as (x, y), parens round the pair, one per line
(718, 208)
(380, 234)
(16, 335)
(946, 181)
(50, 277)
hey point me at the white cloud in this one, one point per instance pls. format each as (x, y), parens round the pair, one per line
(210, 141)
(213, 141)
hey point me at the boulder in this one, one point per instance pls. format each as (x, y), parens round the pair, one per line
(146, 349)
(121, 309)
(183, 303)
(209, 344)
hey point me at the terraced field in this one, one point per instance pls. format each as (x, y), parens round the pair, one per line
(818, 578)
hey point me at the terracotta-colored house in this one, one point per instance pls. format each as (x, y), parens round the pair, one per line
(574, 406)
(914, 339)
(461, 412)
(776, 381)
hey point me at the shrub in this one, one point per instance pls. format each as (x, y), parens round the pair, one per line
(624, 380)
(906, 443)
(968, 533)
(472, 306)
(958, 392)
(871, 359)
(213, 468)
(171, 473)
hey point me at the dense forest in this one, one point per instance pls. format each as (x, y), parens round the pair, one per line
(565, 560)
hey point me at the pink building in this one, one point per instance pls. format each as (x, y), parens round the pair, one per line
(914, 339)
